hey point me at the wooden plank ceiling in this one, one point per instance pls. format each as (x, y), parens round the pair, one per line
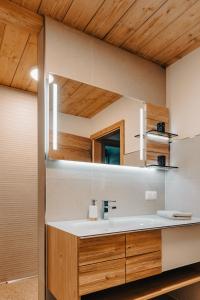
(81, 99)
(159, 30)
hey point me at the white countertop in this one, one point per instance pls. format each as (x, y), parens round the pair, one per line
(85, 228)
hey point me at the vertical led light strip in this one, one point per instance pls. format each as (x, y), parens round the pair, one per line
(46, 104)
(55, 116)
(141, 134)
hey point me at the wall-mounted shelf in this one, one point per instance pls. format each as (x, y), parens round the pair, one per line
(163, 134)
(152, 287)
(165, 168)
(168, 135)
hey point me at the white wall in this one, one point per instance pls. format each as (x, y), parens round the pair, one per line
(183, 185)
(74, 125)
(183, 101)
(76, 55)
(183, 94)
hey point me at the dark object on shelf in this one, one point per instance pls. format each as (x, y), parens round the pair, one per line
(161, 127)
(161, 159)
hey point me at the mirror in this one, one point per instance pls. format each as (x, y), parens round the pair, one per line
(89, 124)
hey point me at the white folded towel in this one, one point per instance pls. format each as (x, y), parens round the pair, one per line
(173, 214)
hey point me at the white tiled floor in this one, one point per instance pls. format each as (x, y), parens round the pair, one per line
(25, 289)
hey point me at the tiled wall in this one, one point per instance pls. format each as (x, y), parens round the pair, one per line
(71, 186)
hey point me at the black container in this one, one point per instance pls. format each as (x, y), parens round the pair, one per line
(161, 127)
(161, 160)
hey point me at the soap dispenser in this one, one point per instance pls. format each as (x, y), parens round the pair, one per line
(93, 211)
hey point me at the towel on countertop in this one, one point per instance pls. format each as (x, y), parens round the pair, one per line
(175, 215)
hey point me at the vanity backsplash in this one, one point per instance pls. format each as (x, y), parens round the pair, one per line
(71, 186)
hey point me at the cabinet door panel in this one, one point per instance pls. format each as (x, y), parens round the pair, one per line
(143, 242)
(99, 249)
(142, 266)
(96, 277)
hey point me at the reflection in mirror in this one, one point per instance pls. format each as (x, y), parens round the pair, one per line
(90, 124)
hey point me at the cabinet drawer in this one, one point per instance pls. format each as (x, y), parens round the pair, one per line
(143, 266)
(99, 249)
(143, 242)
(96, 277)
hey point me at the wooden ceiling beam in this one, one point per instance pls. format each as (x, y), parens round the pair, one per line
(11, 13)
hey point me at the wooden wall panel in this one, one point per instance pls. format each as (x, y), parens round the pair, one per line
(81, 99)
(161, 148)
(154, 148)
(152, 157)
(72, 147)
(18, 185)
(157, 113)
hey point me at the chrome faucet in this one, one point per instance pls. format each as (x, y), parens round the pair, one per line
(106, 207)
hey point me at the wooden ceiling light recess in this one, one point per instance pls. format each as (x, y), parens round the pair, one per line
(159, 30)
(18, 45)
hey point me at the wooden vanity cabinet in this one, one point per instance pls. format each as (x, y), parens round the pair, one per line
(79, 266)
(97, 277)
(98, 249)
(143, 254)
(142, 242)
(101, 263)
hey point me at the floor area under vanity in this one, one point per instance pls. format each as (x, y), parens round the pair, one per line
(25, 289)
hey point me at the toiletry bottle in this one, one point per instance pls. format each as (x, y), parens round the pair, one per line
(93, 211)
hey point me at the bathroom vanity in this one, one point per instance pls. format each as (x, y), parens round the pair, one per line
(86, 257)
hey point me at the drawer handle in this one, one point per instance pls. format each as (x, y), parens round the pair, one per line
(108, 277)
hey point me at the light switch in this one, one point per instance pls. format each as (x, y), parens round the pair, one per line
(151, 195)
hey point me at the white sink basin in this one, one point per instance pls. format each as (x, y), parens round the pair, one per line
(113, 223)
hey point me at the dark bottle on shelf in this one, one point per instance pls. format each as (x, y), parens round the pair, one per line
(161, 127)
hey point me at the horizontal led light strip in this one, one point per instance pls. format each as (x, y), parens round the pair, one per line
(93, 166)
(55, 116)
